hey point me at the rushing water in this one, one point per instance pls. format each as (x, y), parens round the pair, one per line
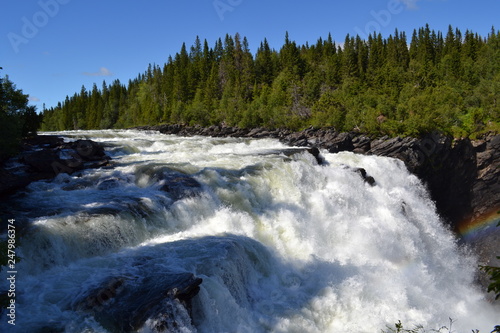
(282, 244)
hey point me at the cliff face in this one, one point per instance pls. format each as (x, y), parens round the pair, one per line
(487, 185)
(463, 176)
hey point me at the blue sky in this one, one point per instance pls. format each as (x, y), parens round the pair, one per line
(50, 48)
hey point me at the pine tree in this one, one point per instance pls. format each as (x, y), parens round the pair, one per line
(290, 58)
(381, 86)
(265, 67)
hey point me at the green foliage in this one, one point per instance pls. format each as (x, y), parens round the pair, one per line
(446, 82)
(17, 118)
(494, 273)
(330, 110)
(398, 328)
(10, 129)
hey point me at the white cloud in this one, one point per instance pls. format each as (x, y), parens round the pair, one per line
(103, 71)
(34, 99)
(411, 4)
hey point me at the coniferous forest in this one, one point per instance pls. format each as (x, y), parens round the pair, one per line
(400, 85)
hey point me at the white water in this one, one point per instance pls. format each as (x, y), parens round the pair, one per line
(282, 244)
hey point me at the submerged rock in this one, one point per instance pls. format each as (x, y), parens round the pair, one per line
(314, 151)
(368, 179)
(124, 304)
(179, 185)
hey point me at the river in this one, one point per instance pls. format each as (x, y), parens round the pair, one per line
(282, 243)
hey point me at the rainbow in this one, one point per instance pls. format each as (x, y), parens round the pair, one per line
(472, 228)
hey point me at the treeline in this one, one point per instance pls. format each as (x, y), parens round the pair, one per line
(17, 119)
(439, 81)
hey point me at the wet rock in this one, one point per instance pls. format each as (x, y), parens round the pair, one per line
(314, 151)
(106, 210)
(42, 161)
(123, 304)
(88, 150)
(258, 132)
(368, 179)
(362, 144)
(10, 183)
(342, 142)
(179, 185)
(108, 183)
(45, 141)
(401, 148)
(44, 157)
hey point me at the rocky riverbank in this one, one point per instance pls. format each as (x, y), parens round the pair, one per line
(462, 175)
(44, 157)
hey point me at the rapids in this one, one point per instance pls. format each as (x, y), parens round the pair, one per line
(282, 244)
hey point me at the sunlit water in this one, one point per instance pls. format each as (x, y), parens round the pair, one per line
(282, 244)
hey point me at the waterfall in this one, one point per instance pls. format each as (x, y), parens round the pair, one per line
(281, 243)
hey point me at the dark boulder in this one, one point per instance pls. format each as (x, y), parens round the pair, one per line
(397, 147)
(10, 182)
(88, 150)
(44, 157)
(342, 142)
(45, 141)
(362, 144)
(368, 179)
(297, 139)
(179, 185)
(42, 161)
(314, 151)
(258, 132)
(108, 183)
(122, 304)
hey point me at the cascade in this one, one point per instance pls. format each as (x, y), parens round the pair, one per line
(268, 240)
